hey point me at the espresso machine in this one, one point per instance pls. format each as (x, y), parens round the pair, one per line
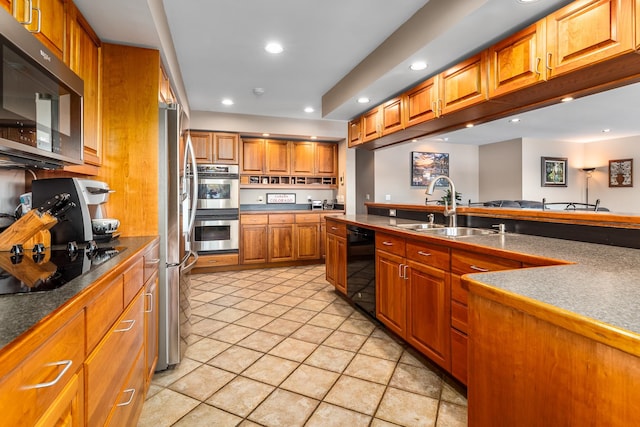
(88, 196)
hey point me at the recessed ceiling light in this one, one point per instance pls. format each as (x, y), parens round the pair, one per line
(606, 130)
(527, 1)
(514, 120)
(274, 47)
(363, 100)
(418, 65)
(469, 125)
(258, 91)
(227, 101)
(314, 137)
(414, 140)
(309, 110)
(567, 99)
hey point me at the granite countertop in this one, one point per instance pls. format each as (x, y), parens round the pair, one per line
(601, 284)
(20, 312)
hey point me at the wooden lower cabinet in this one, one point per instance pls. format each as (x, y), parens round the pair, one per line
(280, 242)
(336, 261)
(68, 408)
(253, 244)
(151, 325)
(128, 403)
(391, 291)
(307, 241)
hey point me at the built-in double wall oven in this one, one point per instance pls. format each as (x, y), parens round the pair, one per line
(217, 225)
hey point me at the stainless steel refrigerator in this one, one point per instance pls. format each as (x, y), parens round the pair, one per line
(175, 225)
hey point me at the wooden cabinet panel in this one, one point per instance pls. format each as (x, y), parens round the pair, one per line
(48, 24)
(459, 358)
(307, 241)
(252, 156)
(392, 119)
(391, 291)
(280, 243)
(128, 404)
(463, 85)
(68, 408)
(421, 102)
(370, 125)
(463, 262)
(354, 133)
(518, 61)
(281, 218)
(217, 260)
(390, 243)
(302, 159)
(133, 280)
(202, 146)
(151, 319)
(85, 59)
(6, 5)
(277, 157)
(587, 31)
(336, 261)
(253, 246)
(103, 311)
(428, 300)
(254, 219)
(326, 159)
(225, 148)
(428, 254)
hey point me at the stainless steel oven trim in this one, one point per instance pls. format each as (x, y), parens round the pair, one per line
(218, 245)
(232, 203)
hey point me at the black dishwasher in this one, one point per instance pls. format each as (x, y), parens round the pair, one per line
(361, 268)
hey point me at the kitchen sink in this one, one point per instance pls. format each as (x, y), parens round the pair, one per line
(420, 227)
(460, 231)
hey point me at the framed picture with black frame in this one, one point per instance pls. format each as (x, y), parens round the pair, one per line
(553, 171)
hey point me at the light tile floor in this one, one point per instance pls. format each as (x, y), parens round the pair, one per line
(279, 348)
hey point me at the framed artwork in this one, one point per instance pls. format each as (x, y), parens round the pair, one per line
(554, 171)
(621, 173)
(425, 166)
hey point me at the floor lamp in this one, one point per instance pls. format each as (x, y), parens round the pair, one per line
(588, 172)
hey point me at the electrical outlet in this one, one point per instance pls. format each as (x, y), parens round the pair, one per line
(367, 196)
(392, 212)
(387, 197)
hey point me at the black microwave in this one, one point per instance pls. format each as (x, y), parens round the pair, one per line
(40, 102)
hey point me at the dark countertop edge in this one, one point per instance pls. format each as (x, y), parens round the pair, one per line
(556, 273)
(18, 318)
(293, 211)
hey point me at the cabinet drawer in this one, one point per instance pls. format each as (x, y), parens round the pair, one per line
(151, 261)
(34, 385)
(459, 355)
(128, 404)
(217, 260)
(459, 315)
(459, 292)
(281, 219)
(463, 262)
(434, 255)
(133, 280)
(107, 366)
(307, 218)
(254, 219)
(392, 244)
(337, 228)
(103, 311)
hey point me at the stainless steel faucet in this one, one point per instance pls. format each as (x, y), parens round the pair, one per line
(451, 213)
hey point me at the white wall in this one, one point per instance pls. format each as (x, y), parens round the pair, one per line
(11, 186)
(393, 171)
(500, 176)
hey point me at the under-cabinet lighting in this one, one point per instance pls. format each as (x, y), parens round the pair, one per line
(265, 134)
(567, 99)
(514, 120)
(469, 125)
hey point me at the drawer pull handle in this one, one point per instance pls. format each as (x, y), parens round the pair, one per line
(129, 390)
(130, 322)
(334, 228)
(53, 382)
(153, 261)
(150, 305)
(404, 272)
(476, 268)
(387, 243)
(424, 253)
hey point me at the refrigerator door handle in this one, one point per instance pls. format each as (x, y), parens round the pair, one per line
(194, 187)
(188, 267)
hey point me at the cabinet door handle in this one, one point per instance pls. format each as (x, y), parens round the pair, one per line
(400, 270)
(537, 69)
(404, 272)
(153, 261)
(439, 107)
(132, 392)
(53, 382)
(29, 8)
(424, 253)
(129, 322)
(476, 268)
(39, 27)
(548, 64)
(387, 243)
(150, 305)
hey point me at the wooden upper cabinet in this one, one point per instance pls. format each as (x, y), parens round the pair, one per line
(420, 102)
(48, 24)
(84, 57)
(202, 146)
(463, 85)
(165, 93)
(355, 130)
(326, 159)
(637, 22)
(518, 61)
(370, 125)
(302, 159)
(252, 156)
(278, 157)
(588, 31)
(6, 5)
(225, 148)
(391, 116)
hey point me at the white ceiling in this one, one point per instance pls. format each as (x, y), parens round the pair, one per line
(339, 49)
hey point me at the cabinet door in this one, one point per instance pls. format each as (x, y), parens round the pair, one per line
(459, 356)
(371, 125)
(48, 24)
(225, 148)
(85, 59)
(307, 241)
(391, 116)
(391, 291)
(68, 408)
(421, 102)
(302, 158)
(253, 246)
(151, 327)
(354, 133)
(277, 157)
(280, 243)
(6, 5)
(428, 298)
(336, 262)
(202, 146)
(587, 31)
(463, 85)
(517, 61)
(252, 156)
(326, 159)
